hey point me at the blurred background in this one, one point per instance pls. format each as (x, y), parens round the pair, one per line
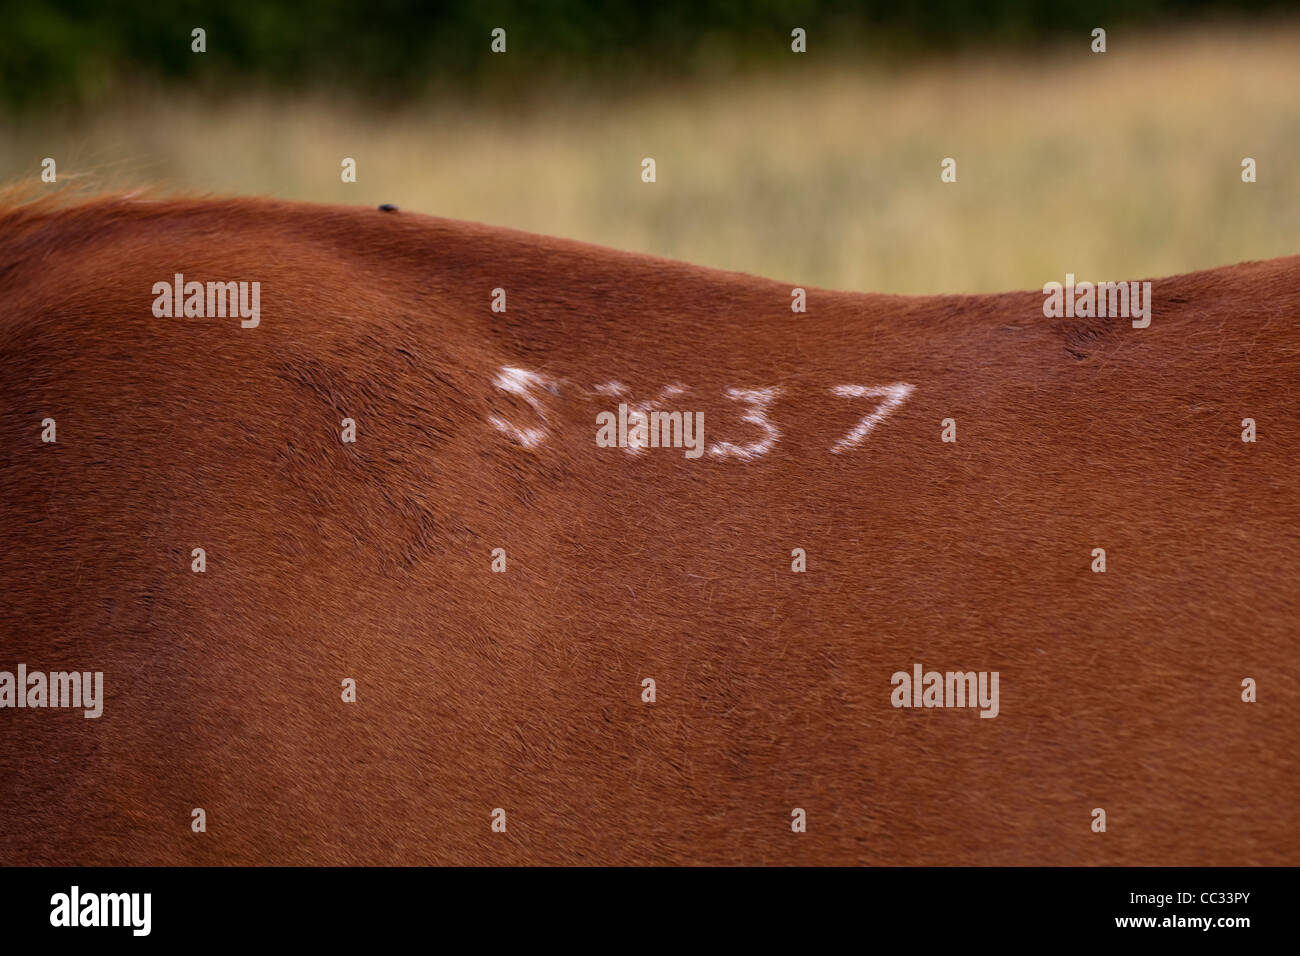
(821, 168)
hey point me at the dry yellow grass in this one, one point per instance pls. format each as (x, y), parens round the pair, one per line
(1120, 165)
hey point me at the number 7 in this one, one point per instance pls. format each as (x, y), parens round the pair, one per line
(893, 395)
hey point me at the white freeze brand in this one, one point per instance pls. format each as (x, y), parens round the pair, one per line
(196, 300)
(953, 689)
(103, 909)
(55, 689)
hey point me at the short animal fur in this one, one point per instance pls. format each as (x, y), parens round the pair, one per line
(523, 690)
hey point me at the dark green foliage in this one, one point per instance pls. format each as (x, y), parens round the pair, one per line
(76, 51)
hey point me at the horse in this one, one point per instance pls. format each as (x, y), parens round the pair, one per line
(480, 547)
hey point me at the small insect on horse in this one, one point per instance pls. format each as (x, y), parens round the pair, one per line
(393, 539)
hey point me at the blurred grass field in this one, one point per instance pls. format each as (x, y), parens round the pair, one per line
(1118, 165)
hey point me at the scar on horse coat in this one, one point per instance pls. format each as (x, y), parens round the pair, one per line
(519, 696)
